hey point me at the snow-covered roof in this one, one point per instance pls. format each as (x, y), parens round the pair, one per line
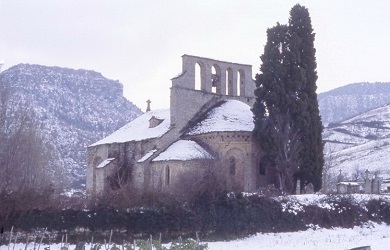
(138, 129)
(105, 163)
(183, 150)
(232, 115)
(349, 183)
(147, 155)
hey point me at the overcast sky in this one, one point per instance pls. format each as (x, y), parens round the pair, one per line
(140, 43)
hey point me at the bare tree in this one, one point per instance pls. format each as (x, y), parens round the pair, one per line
(23, 156)
(121, 176)
(358, 174)
(329, 177)
(287, 158)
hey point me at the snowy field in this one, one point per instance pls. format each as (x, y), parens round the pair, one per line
(375, 235)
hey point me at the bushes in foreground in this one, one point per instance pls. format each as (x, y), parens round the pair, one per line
(231, 215)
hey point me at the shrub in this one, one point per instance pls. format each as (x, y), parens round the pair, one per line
(378, 210)
(226, 215)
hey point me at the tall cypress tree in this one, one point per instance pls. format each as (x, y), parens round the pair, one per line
(302, 45)
(269, 87)
(277, 106)
(286, 115)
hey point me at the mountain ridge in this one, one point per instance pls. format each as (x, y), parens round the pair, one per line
(352, 99)
(73, 108)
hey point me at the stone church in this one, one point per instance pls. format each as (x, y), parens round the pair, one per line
(209, 123)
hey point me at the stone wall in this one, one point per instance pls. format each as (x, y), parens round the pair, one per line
(237, 145)
(227, 79)
(186, 100)
(95, 156)
(186, 103)
(176, 177)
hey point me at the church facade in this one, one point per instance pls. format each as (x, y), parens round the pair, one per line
(208, 127)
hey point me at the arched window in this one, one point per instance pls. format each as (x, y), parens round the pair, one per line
(198, 76)
(167, 176)
(232, 166)
(229, 81)
(214, 79)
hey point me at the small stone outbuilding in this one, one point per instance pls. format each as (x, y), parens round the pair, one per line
(209, 125)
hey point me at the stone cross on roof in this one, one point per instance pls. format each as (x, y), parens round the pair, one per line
(148, 105)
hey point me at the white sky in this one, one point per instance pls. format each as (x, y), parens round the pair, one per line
(140, 43)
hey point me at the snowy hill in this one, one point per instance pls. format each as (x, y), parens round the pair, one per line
(353, 99)
(74, 108)
(360, 143)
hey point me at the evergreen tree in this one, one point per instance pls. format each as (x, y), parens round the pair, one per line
(302, 45)
(276, 107)
(286, 115)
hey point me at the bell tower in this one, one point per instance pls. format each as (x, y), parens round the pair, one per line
(218, 80)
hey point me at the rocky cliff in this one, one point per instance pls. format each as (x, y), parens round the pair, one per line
(73, 109)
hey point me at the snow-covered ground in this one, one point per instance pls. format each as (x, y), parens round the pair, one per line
(371, 234)
(375, 235)
(360, 143)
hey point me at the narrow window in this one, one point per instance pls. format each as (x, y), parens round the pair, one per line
(262, 168)
(214, 80)
(198, 76)
(232, 166)
(240, 83)
(229, 81)
(167, 175)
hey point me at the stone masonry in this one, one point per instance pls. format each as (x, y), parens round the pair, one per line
(134, 164)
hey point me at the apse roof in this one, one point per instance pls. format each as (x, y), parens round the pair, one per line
(231, 115)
